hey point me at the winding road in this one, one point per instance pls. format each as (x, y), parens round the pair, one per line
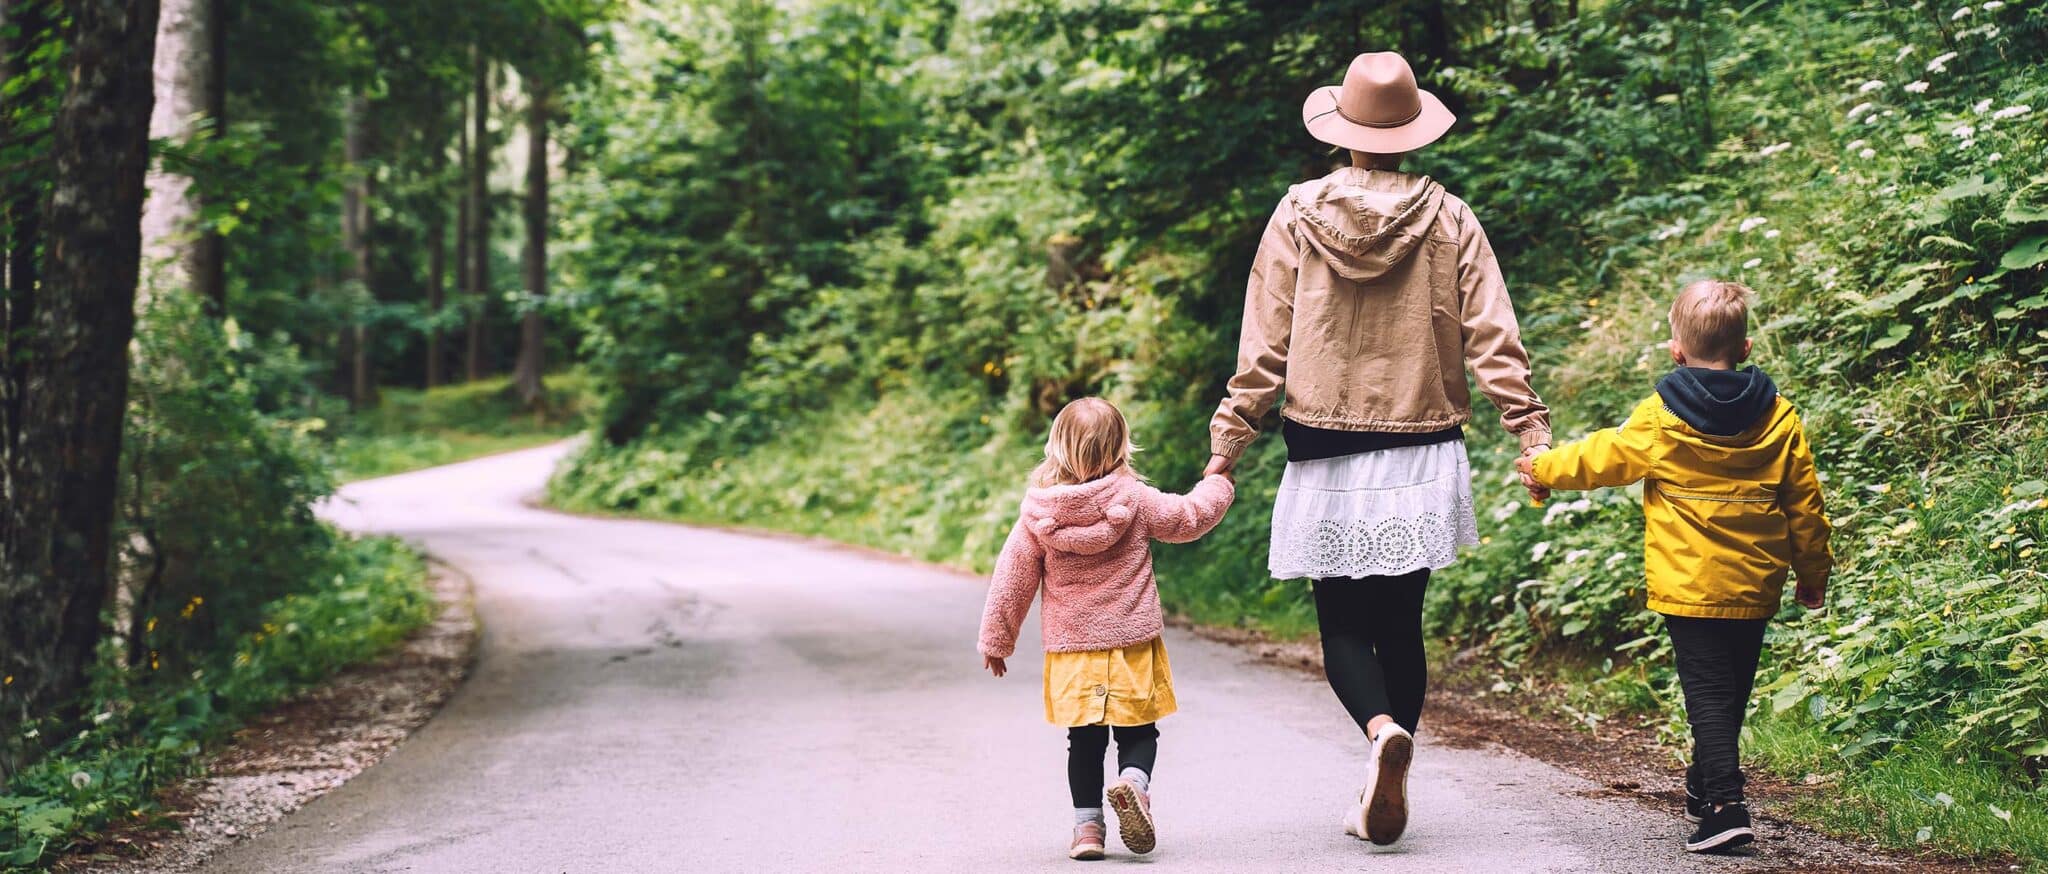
(655, 697)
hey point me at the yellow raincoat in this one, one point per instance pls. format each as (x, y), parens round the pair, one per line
(1726, 517)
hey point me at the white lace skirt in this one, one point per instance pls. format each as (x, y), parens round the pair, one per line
(1373, 514)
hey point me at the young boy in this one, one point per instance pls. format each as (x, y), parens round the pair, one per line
(1731, 504)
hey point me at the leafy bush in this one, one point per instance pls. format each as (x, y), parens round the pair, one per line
(151, 724)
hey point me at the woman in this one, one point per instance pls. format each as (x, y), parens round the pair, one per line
(1372, 291)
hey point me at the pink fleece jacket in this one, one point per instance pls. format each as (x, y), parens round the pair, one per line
(1088, 548)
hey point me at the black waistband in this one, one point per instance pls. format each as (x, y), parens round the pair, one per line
(1308, 443)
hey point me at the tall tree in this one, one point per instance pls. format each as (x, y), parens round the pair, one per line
(528, 375)
(355, 220)
(58, 461)
(463, 208)
(479, 231)
(190, 99)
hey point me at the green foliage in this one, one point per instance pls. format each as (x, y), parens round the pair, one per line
(411, 429)
(150, 723)
(1083, 183)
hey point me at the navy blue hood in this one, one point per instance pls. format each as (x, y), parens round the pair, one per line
(1718, 403)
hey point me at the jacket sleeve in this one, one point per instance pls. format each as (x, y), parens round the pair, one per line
(1493, 338)
(1182, 518)
(1606, 458)
(1020, 571)
(1262, 339)
(1805, 513)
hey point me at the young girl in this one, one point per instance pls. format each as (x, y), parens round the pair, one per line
(1083, 539)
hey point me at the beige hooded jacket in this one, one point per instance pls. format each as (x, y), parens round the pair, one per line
(1371, 293)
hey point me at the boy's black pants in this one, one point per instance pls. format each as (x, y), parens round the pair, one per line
(1717, 669)
(1137, 746)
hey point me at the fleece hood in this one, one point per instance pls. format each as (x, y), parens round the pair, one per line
(1718, 403)
(1364, 223)
(1083, 518)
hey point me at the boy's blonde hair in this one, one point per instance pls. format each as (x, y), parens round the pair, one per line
(1710, 319)
(1089, 441)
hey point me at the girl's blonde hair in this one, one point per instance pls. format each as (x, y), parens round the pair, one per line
(1089, 441)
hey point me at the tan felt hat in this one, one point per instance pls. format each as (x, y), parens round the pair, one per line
(1378, 109)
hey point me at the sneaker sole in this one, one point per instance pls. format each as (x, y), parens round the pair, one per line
(1733, 837)
(1133, 823)
(1086, 854)
(1386, 814)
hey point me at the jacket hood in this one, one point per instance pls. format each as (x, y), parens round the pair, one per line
(1083, 518)
(1364, 223)
(1718, 403)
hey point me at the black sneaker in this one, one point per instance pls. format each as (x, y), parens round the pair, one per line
(1695, 808)
(1721, 829)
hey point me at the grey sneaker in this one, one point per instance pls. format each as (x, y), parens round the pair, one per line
(1385, 800)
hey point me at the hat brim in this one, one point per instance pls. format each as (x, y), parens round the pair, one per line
(1319, 114)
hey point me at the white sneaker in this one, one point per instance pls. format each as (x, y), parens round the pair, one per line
(1382, 812)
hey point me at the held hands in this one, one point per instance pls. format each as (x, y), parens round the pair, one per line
(994, 665)
(1812, 596)
(1538, 492)
(1221, 465)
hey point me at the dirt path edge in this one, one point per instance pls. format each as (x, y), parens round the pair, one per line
(302, 749)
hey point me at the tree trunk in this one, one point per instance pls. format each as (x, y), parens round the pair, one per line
(355, 217)
(463, 285)
(437, 268)
(480, 220)
(57, 479)
(182, 256)
(528, 375)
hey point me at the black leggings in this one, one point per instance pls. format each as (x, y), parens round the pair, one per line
(1717, 669)
(1372, 644)
(1137, 746)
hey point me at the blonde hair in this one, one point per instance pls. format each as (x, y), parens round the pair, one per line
(1089, 441)
(1710, 319)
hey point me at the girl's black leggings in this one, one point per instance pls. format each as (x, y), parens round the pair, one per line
(1137, 746)
(1372, 644)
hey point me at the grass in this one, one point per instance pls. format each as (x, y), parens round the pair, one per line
(410, 429)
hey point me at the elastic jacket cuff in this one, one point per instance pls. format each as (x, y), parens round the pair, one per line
(1534, 438)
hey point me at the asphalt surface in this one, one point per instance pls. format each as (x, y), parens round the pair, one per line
(654, 697)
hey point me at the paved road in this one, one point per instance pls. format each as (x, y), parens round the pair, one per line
(652, 697)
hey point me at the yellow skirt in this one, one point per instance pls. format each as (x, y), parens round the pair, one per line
(1128, 686)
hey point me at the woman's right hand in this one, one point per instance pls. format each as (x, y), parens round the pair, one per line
(1219, 464)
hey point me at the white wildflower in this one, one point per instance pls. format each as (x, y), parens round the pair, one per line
(1960, 14)
(1940, 62)
(1993, 157)
(1918, 86)
(1752, 263)
(1616, 559)
(1771, 234)
(1773, 149)
(1870, 86)
(1829, 658)
(1867, 154)
(1537, 552)
(1992, 5)
(1981, 106)
(1903, 52)
(1506, 510)
(2014, 111)
(1945, 799)
(2000, 812)
(1856, 144)
(1855, 626)
(1751, 223)
(1576, 554)
(80, 779)
(1963, 132)
(1859, 109)
(101, 718)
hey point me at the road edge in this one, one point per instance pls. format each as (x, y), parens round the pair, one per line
(284, 758)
